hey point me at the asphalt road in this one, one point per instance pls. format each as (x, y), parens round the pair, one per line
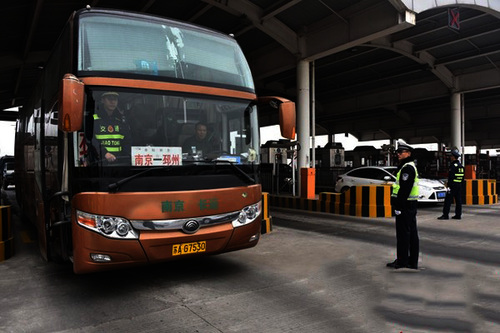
(313, 273)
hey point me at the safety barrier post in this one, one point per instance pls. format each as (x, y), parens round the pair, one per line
(308, 183)
(480, 192)
(267, 220)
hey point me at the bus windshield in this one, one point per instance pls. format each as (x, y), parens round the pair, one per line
(141, 128)
(165, 49)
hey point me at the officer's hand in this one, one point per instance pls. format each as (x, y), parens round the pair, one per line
(397, 212)
(110, 157)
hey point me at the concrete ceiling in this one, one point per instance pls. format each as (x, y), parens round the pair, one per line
(380, 71)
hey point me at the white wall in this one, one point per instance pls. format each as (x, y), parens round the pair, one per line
(7, 135)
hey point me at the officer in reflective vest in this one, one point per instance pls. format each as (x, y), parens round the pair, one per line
(454, 184)
(111, 131)
(404, 200)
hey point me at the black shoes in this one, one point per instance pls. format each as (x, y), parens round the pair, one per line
(410, 266)
(395, 264)
(444, 217)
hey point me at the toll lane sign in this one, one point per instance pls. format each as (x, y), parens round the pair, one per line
(454, 18)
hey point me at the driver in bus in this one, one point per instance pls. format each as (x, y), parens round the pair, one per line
(200, 143)
(111, 131)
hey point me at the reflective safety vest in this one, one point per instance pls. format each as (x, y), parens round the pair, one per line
(414, 190)
(109, 136)
(458, 177)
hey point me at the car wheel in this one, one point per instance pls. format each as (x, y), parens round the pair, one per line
(344, 189)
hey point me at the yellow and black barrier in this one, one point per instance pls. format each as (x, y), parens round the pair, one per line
(375, 200)
(295, 203)
(267, 220)
(363, 201)
(6, 234)
(480, 192)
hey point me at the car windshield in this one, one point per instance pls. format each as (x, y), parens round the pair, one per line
(391, 170)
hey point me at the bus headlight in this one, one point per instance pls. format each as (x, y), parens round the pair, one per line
(109, 226)
(248, 215)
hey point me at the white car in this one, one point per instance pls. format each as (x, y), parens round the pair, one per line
(429, 190)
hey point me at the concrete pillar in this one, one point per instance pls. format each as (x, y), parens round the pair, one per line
(313, 115)
(303, 121)
(456, 121)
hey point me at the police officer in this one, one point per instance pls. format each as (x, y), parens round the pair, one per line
(454, 184)
(112, 133)
(404, 202)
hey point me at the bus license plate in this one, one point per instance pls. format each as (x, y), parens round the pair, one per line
(187, 248)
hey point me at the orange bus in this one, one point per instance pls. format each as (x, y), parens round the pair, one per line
(141, 143)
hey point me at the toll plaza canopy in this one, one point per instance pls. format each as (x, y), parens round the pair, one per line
(383, 69)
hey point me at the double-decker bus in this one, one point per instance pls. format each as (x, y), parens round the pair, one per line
(141, 143)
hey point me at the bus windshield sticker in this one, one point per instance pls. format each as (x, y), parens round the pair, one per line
(234, 159)
(154, 156)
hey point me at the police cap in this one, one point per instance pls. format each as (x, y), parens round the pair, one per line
(404, 146)
(110, 93)
(455, 153)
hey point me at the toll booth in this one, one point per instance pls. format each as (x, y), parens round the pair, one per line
(485, 166)
(364, 156)
(426, 162)
(330, 156)
(330, 162)
(277, 169)
(273, 152)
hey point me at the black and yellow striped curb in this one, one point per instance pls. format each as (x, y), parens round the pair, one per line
(6, 234)
(480, 192)
(362, 201)
(375, 200)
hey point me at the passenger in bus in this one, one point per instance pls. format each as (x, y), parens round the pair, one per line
(201, 143)
(111, 132)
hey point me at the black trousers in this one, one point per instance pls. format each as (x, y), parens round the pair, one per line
(407, 235)
(455, 193)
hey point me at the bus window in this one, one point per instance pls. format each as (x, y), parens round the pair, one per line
(114, 44)
(142, 123)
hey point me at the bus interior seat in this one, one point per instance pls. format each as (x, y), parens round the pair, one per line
(187, 131)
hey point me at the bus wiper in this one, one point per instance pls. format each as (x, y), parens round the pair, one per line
(113, 187)
(237, 169)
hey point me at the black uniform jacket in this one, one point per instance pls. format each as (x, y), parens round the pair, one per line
(455, 165)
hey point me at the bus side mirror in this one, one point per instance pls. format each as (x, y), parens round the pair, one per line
(286, 111)
(71, 100)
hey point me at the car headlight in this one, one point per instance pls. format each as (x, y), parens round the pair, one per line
(248, 215)
(425, 188)
(109, 226)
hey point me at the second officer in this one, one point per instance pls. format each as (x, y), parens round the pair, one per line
(454, 184)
